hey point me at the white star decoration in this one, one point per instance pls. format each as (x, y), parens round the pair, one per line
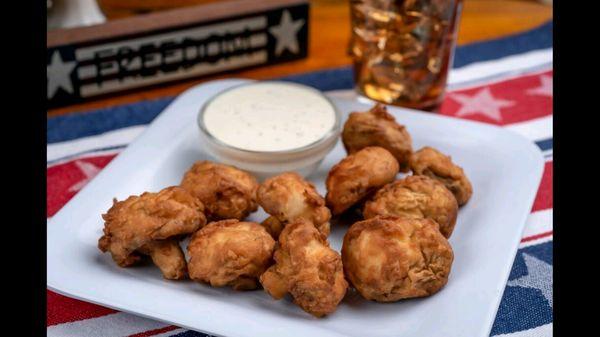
(539, 276)
(89, 170)
(545, 88)
(285, 34)
(58, 74)
(482, 103)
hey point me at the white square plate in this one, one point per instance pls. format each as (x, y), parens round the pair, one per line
(505, 170)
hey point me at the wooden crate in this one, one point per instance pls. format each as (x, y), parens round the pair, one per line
(159, 47)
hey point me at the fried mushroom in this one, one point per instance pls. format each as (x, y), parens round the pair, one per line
(167, 256)
(287, 197)
(230, 253)
(417, 197)
(357, 176)
(390, 258)
(225, 191)
(151, 224)
(434, 164)
(377, 127)
(273, 226)
(306, 268)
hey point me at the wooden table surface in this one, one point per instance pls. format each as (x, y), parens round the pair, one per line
(481, 20)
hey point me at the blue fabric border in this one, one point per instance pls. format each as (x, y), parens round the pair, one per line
(73, 126)
(537, 38)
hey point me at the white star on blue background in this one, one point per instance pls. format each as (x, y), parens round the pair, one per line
(539, 276)
(286, 32)
(58, 73)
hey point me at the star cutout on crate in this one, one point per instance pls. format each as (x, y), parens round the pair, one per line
(285, 34)
(58, 74)
(482, 103)
(539, 276)
(89, 170)
(545, 88)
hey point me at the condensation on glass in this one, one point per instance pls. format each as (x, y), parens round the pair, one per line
(402, 49)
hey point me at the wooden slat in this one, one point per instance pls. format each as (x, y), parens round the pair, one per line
(162, 20)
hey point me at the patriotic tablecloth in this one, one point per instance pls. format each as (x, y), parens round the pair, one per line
(506, 82)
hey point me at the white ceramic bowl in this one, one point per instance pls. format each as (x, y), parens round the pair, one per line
(303, 160)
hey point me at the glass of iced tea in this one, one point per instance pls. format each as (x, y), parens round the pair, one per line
(402, 49)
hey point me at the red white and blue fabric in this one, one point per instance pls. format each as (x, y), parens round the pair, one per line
(507, 82)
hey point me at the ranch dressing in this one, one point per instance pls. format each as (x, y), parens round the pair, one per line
(269, 116)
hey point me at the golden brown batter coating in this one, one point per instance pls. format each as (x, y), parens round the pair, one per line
(230, 253)
(416, 197)
(225, 191)
(141, 224)
(307, 268)
(288, 197)
(390, 258)
(377, 127)
(167, 256)
(357, 176)
(432, 163)
(273, 226)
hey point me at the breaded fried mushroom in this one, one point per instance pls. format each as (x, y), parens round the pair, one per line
(167, 256)
(273, 226)
(434, 164)
(417, 197)
(357, 176)
(377, 127)
(306, 268)
(389, 258)
(230, 253)
(287, 197)
(151, 224)
(226, 192)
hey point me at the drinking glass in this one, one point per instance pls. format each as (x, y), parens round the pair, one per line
(402, 49)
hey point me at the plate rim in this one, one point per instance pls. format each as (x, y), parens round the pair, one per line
(73, 292)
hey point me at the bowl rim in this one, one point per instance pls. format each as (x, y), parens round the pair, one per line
(333, 132)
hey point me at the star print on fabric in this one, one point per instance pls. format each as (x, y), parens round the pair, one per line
(58, 74)
(285, 34)
(89, 170)
(545, 88)
(482, 103)
(539, 276)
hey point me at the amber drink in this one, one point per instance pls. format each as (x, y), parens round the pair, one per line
(402, 49)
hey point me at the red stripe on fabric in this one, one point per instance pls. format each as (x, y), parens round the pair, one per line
(537, 236)
(62, 309)
(66, 179)
(526, 105)
(155, 331)
(544, 198)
